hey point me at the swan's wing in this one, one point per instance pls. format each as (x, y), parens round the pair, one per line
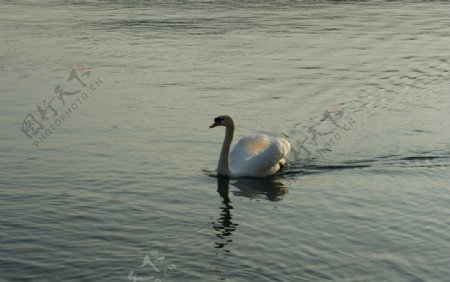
(258, 156)
(248, 147)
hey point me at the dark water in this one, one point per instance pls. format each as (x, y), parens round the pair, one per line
(109, 179)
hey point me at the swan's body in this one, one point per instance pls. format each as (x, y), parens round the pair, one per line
(256, 155)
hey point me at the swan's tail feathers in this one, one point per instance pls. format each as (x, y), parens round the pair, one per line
(285, 147)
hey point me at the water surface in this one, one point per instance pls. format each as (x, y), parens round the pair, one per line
(117, 184)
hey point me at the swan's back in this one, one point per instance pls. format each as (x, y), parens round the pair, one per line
(258, 155)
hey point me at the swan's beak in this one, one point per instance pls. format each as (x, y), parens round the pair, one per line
(214, 125)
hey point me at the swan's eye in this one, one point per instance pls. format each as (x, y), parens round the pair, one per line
(218, 120)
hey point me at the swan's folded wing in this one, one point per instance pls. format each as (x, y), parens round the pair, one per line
(248, 147)
(265, 162)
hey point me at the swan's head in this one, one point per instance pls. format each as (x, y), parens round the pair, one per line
(226, 121)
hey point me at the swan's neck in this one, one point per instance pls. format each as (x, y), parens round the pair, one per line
(223, 168)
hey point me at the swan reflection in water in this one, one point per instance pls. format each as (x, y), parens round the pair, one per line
(224, 227)
(274, 189)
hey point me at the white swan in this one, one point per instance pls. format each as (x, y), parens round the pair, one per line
(256, 155)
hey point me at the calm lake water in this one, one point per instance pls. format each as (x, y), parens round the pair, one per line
(107, 162)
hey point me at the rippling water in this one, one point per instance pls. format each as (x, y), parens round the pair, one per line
(106, 155)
